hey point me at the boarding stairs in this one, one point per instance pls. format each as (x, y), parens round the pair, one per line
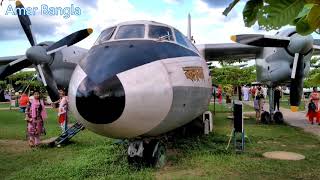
(67, 135)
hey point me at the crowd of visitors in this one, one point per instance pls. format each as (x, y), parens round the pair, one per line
(258, 95)
(34, 108)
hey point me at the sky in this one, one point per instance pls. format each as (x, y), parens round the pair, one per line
(208, 23)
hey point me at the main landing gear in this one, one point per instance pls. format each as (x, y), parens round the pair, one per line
(267, 117)
(277, 117)
(150, 153)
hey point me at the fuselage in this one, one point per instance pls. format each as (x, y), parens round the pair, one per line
(140, 79)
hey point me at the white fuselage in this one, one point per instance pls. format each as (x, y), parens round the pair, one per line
(159, 97)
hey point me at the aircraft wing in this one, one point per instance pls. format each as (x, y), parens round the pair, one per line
(8, 59)
(228, 52)
(12, 64)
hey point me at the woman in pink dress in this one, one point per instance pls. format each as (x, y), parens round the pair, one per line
(35, 116)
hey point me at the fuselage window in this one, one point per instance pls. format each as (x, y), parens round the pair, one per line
(105, 35)
(130, 31)
(160, 32)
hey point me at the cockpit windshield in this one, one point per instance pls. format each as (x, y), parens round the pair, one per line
(130, 31)
(160, 32)
(184, 41)
(105, 35)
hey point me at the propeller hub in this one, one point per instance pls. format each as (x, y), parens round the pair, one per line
(38, 55)
(300, 44)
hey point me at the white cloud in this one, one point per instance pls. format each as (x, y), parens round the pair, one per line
(43, 25)
(173, 1)
(208, 23)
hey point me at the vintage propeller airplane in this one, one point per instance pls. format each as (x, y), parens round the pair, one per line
(143, 79)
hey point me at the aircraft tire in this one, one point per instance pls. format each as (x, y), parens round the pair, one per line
(135, 161)
(278, 117)
(265, 117)
(159, 159)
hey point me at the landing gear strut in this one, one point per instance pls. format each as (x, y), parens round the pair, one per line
(267, 117)
(151, 153)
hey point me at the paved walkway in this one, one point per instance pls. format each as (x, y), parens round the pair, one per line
(296, 119)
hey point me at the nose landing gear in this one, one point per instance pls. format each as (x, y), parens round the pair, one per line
(150, 153)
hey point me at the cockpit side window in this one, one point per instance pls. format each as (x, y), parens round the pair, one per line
(160, 32)
(130, 31)
(105, 35)
(184, 41)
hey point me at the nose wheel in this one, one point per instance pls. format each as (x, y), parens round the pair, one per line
(150, 153)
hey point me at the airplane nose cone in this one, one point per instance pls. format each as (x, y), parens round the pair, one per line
(101, 103)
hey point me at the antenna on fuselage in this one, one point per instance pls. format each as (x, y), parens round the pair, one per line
(190, 37)
(189, 27)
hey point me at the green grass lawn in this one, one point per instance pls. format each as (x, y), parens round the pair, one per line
(91, 156)
(224, 108)
(4, 105)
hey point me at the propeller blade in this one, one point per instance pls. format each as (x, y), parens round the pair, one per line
(261, 40)
(69, 40)
(14, 66)
(296, 87)
(48, 81)
(294, 67)
(26, 24)
(43, 79)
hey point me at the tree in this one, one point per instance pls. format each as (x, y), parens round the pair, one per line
(230, 75)
(313, 78)
(273, 14)
(23, 80)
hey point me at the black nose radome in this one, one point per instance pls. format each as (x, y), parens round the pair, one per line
(101, 103)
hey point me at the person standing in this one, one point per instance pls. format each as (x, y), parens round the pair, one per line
(253, 92)
(258, 102)
(23, 102)
(35, 115)
(245, 91)
(277, 97)
(314, 97)
(312, 113)
(63, 110)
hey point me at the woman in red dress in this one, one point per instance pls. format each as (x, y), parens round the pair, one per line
(314, 112)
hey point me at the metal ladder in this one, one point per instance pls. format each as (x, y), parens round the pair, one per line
(68, 134)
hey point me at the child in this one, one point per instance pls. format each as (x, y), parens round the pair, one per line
(312, 112)
(257, 109)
